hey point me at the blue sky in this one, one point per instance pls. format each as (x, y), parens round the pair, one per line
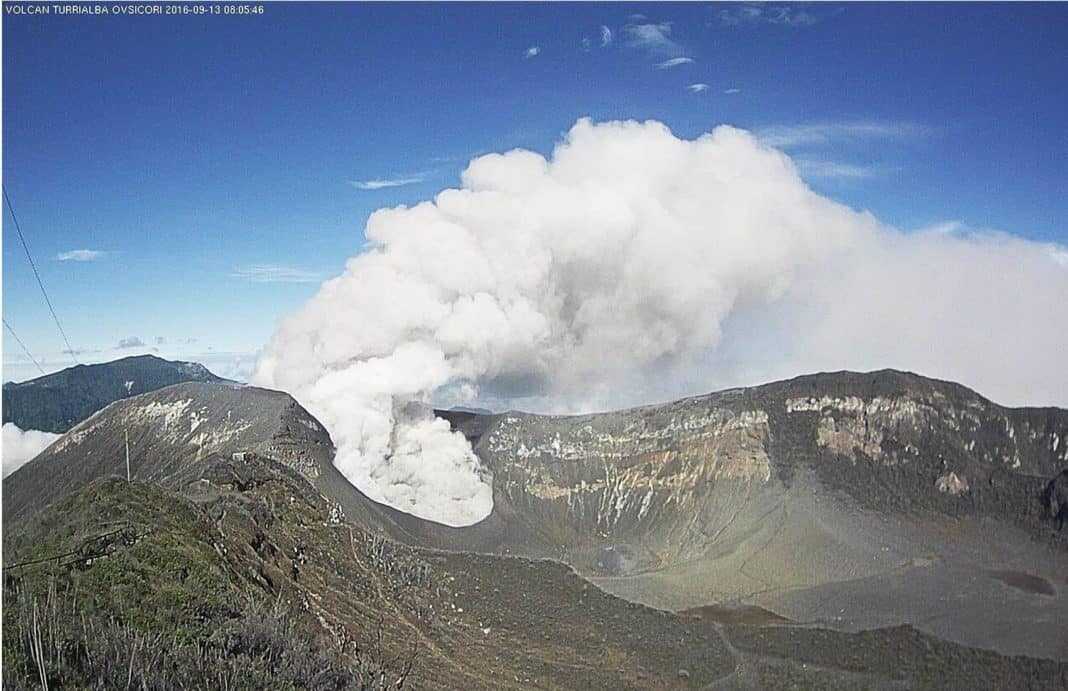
(221, 166)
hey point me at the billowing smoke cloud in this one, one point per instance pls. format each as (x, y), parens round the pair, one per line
(632, 266)
(20, 447)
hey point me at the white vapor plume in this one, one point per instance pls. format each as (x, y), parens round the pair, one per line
(20, 447)
(633, 266)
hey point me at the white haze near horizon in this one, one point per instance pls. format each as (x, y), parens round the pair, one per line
(633, 266)
(20, 447)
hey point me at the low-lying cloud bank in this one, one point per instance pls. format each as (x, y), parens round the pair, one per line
(634, 266)
(20, 447)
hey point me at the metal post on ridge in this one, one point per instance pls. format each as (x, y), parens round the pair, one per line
(126, 437)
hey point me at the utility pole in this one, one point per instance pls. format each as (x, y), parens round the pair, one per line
(126, 435)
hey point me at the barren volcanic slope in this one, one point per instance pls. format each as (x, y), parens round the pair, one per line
(838, 501)
(168, 430)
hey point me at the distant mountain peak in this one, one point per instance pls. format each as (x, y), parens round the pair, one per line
(58, 401)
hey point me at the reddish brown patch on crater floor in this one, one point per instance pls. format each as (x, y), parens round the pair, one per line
(749, 615)
(1021, 580)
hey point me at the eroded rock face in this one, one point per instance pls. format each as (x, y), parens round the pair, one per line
(891, 429)
(850, 424)
(639, 489)
(608, 463)
(640, 483)
(895, 441)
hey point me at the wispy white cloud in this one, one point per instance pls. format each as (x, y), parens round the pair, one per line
(81, 255)
(382, 183)
(586, 44)
(732, 91)
(22, 446)
(827, 169)
(532, 52)
(759, 13)
(674, 62)
(606, 36)
(131, 342)
(458, 158)
(698, 87)
(814, 134)
(947, 227)
(654, 38)
(274, 273)
(957, 228)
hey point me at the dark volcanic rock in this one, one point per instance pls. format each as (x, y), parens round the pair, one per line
(56, 402)
(1056, 498)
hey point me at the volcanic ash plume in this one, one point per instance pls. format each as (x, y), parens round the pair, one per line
(616, 261)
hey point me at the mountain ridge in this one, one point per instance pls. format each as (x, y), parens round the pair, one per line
(58, 401)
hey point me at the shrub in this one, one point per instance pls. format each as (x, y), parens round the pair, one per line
(49, 643)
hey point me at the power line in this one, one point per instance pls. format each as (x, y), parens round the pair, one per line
(24, 348)
(70, 349)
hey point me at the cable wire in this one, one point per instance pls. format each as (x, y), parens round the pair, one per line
(24, 348)
(70, 349)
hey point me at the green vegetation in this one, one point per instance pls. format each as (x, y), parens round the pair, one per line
(123, 587)
(48, 645)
